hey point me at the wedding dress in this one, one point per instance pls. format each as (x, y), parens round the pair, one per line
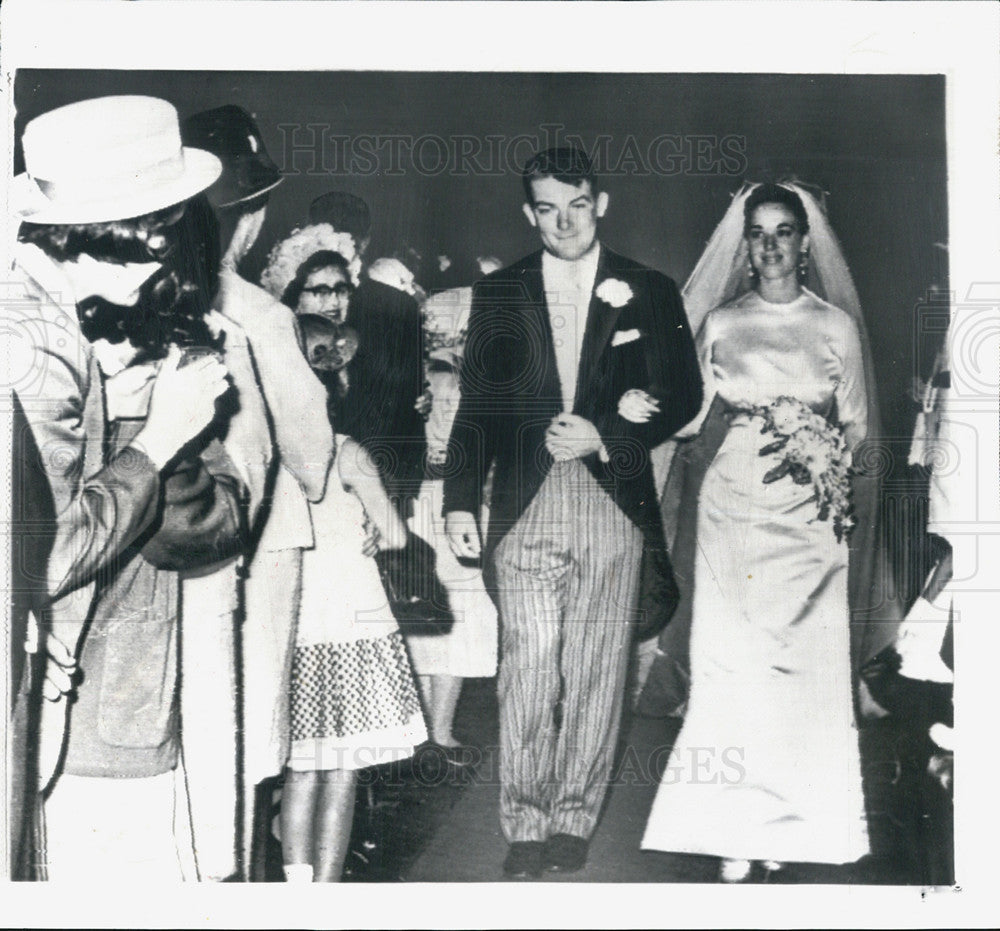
(766, 765)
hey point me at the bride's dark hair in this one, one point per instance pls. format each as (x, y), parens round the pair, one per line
(173, 303)
(775, 194)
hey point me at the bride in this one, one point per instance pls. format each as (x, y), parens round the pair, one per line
(766, 767)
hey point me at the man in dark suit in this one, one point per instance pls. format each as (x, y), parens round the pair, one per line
(381, 410)
(578, 362)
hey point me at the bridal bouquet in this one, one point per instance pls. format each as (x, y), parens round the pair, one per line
(814, 452)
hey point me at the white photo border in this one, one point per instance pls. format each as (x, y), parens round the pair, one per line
(957, 40)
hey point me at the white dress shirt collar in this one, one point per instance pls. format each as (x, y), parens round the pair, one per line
(560, 275)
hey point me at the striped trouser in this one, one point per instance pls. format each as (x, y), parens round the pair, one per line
(568, 579)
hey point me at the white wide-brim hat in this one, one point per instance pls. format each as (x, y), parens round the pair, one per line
(109, 158)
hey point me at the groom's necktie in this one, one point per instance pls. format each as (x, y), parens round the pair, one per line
(568, 287)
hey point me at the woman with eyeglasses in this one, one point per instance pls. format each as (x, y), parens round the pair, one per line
(353, 699)
(321, 286)
(313, 272)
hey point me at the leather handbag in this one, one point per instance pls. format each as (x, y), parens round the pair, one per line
(417, 599)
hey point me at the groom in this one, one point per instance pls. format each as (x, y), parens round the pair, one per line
(578, 362)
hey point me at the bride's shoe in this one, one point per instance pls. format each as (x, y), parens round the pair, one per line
(735, 871)
(770, 868)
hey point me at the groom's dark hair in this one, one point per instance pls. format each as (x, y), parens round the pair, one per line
(565, 163)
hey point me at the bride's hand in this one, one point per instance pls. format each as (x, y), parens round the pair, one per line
(637, 406)
(571, 436)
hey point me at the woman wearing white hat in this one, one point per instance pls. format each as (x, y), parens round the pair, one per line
(119, 267)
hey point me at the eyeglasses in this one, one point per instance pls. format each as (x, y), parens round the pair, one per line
(343, 289)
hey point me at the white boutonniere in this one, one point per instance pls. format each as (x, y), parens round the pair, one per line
(615, 292)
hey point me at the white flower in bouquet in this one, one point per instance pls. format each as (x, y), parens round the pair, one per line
(785, 415)
(614, 291)
(288, 255)
(813, 452)
(814, 449)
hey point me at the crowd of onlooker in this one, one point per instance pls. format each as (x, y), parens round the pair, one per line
(217, 461)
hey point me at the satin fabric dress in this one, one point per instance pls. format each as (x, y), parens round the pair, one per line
(766, 765)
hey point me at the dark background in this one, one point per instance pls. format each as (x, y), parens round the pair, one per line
(876, 144)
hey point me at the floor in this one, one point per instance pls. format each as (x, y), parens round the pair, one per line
(437, 823)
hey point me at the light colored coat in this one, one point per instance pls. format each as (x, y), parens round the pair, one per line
(282, 443)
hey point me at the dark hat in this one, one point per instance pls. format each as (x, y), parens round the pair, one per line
(230, 133)
(346, 213)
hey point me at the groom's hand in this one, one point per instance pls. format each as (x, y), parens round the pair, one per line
(463, 534)
(570, 436)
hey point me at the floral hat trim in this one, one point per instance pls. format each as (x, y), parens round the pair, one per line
(288, 255)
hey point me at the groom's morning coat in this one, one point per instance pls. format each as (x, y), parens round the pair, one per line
(511, 389)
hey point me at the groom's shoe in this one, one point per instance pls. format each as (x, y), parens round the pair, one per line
(565, 853)
(524, 859)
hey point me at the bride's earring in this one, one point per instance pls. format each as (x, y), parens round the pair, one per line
(803, 266)
(751, 271)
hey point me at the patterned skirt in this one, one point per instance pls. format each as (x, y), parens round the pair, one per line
(354, 705)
